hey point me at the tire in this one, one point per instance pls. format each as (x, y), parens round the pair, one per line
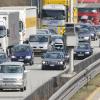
(24, 87)
(43, 68)
(31, 62)
(21, 89)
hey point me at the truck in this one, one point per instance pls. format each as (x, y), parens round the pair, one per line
(27, 20)
(92, 13)
(55, 13)
(9, 30)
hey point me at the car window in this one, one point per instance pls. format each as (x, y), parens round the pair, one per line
(38, 38)
(21, 48)
(53, 56)
(10, 69)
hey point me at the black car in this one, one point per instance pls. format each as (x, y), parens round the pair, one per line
(23, 53)
(83, 50)
(54, 60)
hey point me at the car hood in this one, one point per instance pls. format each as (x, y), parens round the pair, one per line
(38, 44)
(11, 75)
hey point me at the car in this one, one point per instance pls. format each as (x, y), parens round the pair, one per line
(13, 76)
(54, 60)
(55, 37)
(39, 42)
(23, 53)
(3, 57)
(84, 35)
(82, 50)
(91, 29)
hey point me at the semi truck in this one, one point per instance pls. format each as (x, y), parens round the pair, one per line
(27, 19)
(9, 30)
(55, 13)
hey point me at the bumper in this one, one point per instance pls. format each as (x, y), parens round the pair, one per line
(11, 85)
(39, 50)
(52, 66)
(21, 60)
(82, 55)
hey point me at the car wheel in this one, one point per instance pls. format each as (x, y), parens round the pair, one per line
(24, 87)
(31, 62)
(43, 68)
(21, 89)
(1, 89)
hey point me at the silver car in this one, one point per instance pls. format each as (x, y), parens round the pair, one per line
(39, 42)
(12, 76)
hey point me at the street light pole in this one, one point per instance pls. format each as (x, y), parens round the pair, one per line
(71, 10)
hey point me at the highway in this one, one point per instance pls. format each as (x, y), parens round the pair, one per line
(36, 77)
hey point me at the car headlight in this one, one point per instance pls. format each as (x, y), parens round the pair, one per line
(19, 79)
(86, 38)
(61, 62)
(44, 62)
(13, 56)
(92, 34)
(87, 52)
(28, 57)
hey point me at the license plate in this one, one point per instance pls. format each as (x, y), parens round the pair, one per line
(51, 64)
(20, 59)
(80, 54)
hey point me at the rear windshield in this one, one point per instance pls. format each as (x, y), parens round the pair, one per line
(10, 69)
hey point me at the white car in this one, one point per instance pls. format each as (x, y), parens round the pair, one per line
(12, 76)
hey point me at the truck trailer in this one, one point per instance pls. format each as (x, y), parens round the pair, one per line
(9, 30)
(27, 20)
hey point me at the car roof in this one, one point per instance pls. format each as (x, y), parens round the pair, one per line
(13, 63)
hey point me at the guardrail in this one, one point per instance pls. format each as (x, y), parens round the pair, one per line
(67, 87)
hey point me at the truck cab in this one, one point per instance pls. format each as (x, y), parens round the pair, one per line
(54, 15)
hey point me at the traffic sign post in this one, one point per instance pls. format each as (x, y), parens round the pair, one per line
(70, 42)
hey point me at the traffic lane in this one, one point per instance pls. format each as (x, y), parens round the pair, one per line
(35, 78)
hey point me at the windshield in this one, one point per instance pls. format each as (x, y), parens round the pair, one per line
(83, 31)
(10, 69)
(53, 14)
(83, 46)
(2, 31)
(21, 48)
(97, 28)
(38, 38)
(54, 56)
(87, 10)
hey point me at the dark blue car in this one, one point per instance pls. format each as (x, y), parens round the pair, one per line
(22, 53)
(83, 50)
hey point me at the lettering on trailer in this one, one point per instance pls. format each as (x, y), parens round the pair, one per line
(64, 2)
(31, 22)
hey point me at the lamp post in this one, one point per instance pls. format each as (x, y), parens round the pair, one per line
(71, 10)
